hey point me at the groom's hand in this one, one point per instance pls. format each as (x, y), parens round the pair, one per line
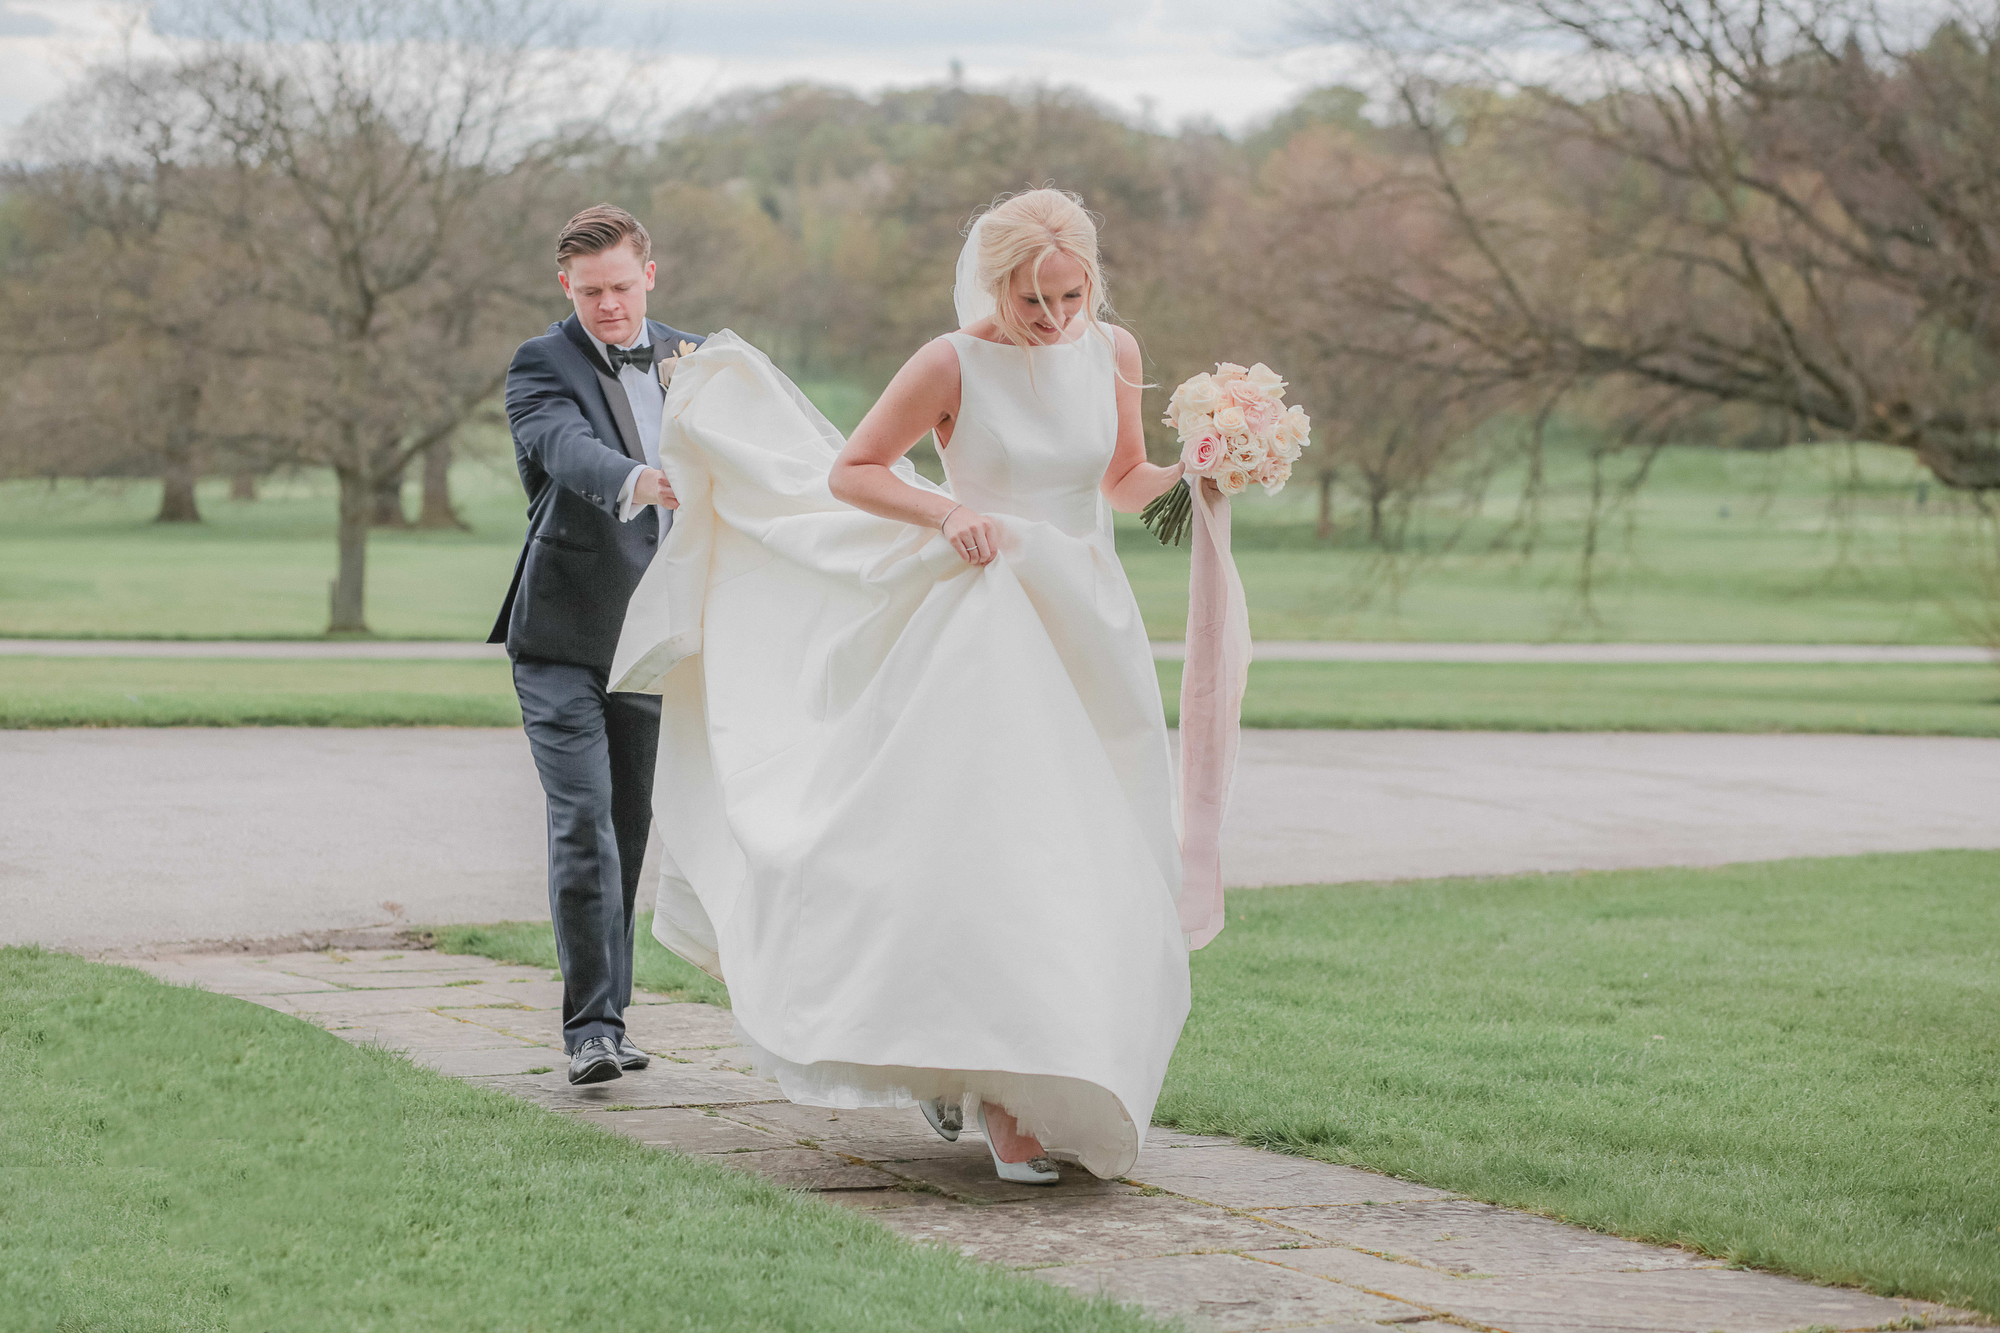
(653, 488)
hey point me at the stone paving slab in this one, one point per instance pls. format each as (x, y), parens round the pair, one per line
(1465, 1239)
(1042, 1233)
(968, 1176)
(821, 1124)
(487, 1063)
(1696, 1300)
(678, 1026)
(1239, 1177)
(1222, 1237)
(690, 1131)
(348, 1004)
(336, 963)
(808, 1169)
(662, 1085)
(1229, 1291)
(231, 978)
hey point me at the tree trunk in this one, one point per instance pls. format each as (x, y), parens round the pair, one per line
(1324, 528)
(242, 485)
(1376, 494)
(385, 508)
(437, 511)
(348, 593)
(177, 503)
(178, 472)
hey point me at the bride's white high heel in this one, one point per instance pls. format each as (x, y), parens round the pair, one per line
(946, 1117)
(1034, 1171)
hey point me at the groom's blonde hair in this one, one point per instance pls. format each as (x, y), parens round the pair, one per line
(1027, 229)
(597, 229)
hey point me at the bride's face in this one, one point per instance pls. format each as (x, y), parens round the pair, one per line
(1063, 284)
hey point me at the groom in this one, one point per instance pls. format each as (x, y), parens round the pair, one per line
(584, 401)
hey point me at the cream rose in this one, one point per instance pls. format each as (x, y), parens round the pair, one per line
(1296, 426)
(1192, 422)
(1274, 474)
(1200, 395)
(1228, 371)
(1229, 420)
(1244, 394)
(1231, 480)
(1289, 450)
(1266, 379)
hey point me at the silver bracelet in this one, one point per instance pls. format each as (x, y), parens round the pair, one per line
(947, 515)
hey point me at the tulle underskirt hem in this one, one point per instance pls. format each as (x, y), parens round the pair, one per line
(1076, 1120)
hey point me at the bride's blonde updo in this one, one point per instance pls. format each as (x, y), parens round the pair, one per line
(1028, 228)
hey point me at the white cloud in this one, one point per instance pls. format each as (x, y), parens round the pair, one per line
(46, 45)
(1171, 59)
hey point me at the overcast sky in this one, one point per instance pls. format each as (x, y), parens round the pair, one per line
(1178, 59)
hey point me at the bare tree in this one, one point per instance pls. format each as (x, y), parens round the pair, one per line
(1394, 399)
(125, 306)
(1787, 208)
(389, 163)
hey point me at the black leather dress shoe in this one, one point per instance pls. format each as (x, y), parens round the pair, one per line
(630, 1056)
(594, 1061)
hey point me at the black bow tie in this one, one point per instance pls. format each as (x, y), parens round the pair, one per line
(641, 358)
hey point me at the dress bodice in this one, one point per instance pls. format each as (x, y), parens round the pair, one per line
(1036, 429)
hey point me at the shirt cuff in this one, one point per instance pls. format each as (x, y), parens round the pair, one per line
(627, 511)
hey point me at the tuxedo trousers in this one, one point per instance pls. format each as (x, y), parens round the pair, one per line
(595, 751)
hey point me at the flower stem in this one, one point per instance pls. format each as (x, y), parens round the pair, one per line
(1168, 516)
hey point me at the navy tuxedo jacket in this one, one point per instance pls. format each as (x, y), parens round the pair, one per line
(575, 442)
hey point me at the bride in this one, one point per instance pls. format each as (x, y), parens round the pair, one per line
(914, 783)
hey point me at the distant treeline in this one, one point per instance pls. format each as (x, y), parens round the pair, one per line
(298, 245)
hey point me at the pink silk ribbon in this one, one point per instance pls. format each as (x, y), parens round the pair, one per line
(1212, 681)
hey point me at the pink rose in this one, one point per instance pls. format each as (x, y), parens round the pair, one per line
(1273, 475)
(1263, 416)
(1244, 394)
(1202, 453)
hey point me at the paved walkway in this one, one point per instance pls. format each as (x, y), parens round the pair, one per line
(112, 838)
(1267, 650)
(1223, 1236)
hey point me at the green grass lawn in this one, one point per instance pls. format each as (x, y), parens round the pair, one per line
(1915, 699)
(235, 692)
(1720, 547)
(175, 1160)
(533, 944)
(1793, 1065)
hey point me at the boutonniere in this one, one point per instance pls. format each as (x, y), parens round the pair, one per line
(665, 365)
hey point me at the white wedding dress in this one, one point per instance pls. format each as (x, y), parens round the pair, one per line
(918, 814)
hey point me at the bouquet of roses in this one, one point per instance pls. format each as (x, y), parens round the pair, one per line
(1234, 429)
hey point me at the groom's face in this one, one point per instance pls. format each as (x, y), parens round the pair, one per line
(609, 290)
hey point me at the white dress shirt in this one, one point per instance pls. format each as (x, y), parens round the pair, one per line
(643, 391)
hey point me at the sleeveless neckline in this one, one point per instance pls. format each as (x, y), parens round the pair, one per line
(987, 342)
